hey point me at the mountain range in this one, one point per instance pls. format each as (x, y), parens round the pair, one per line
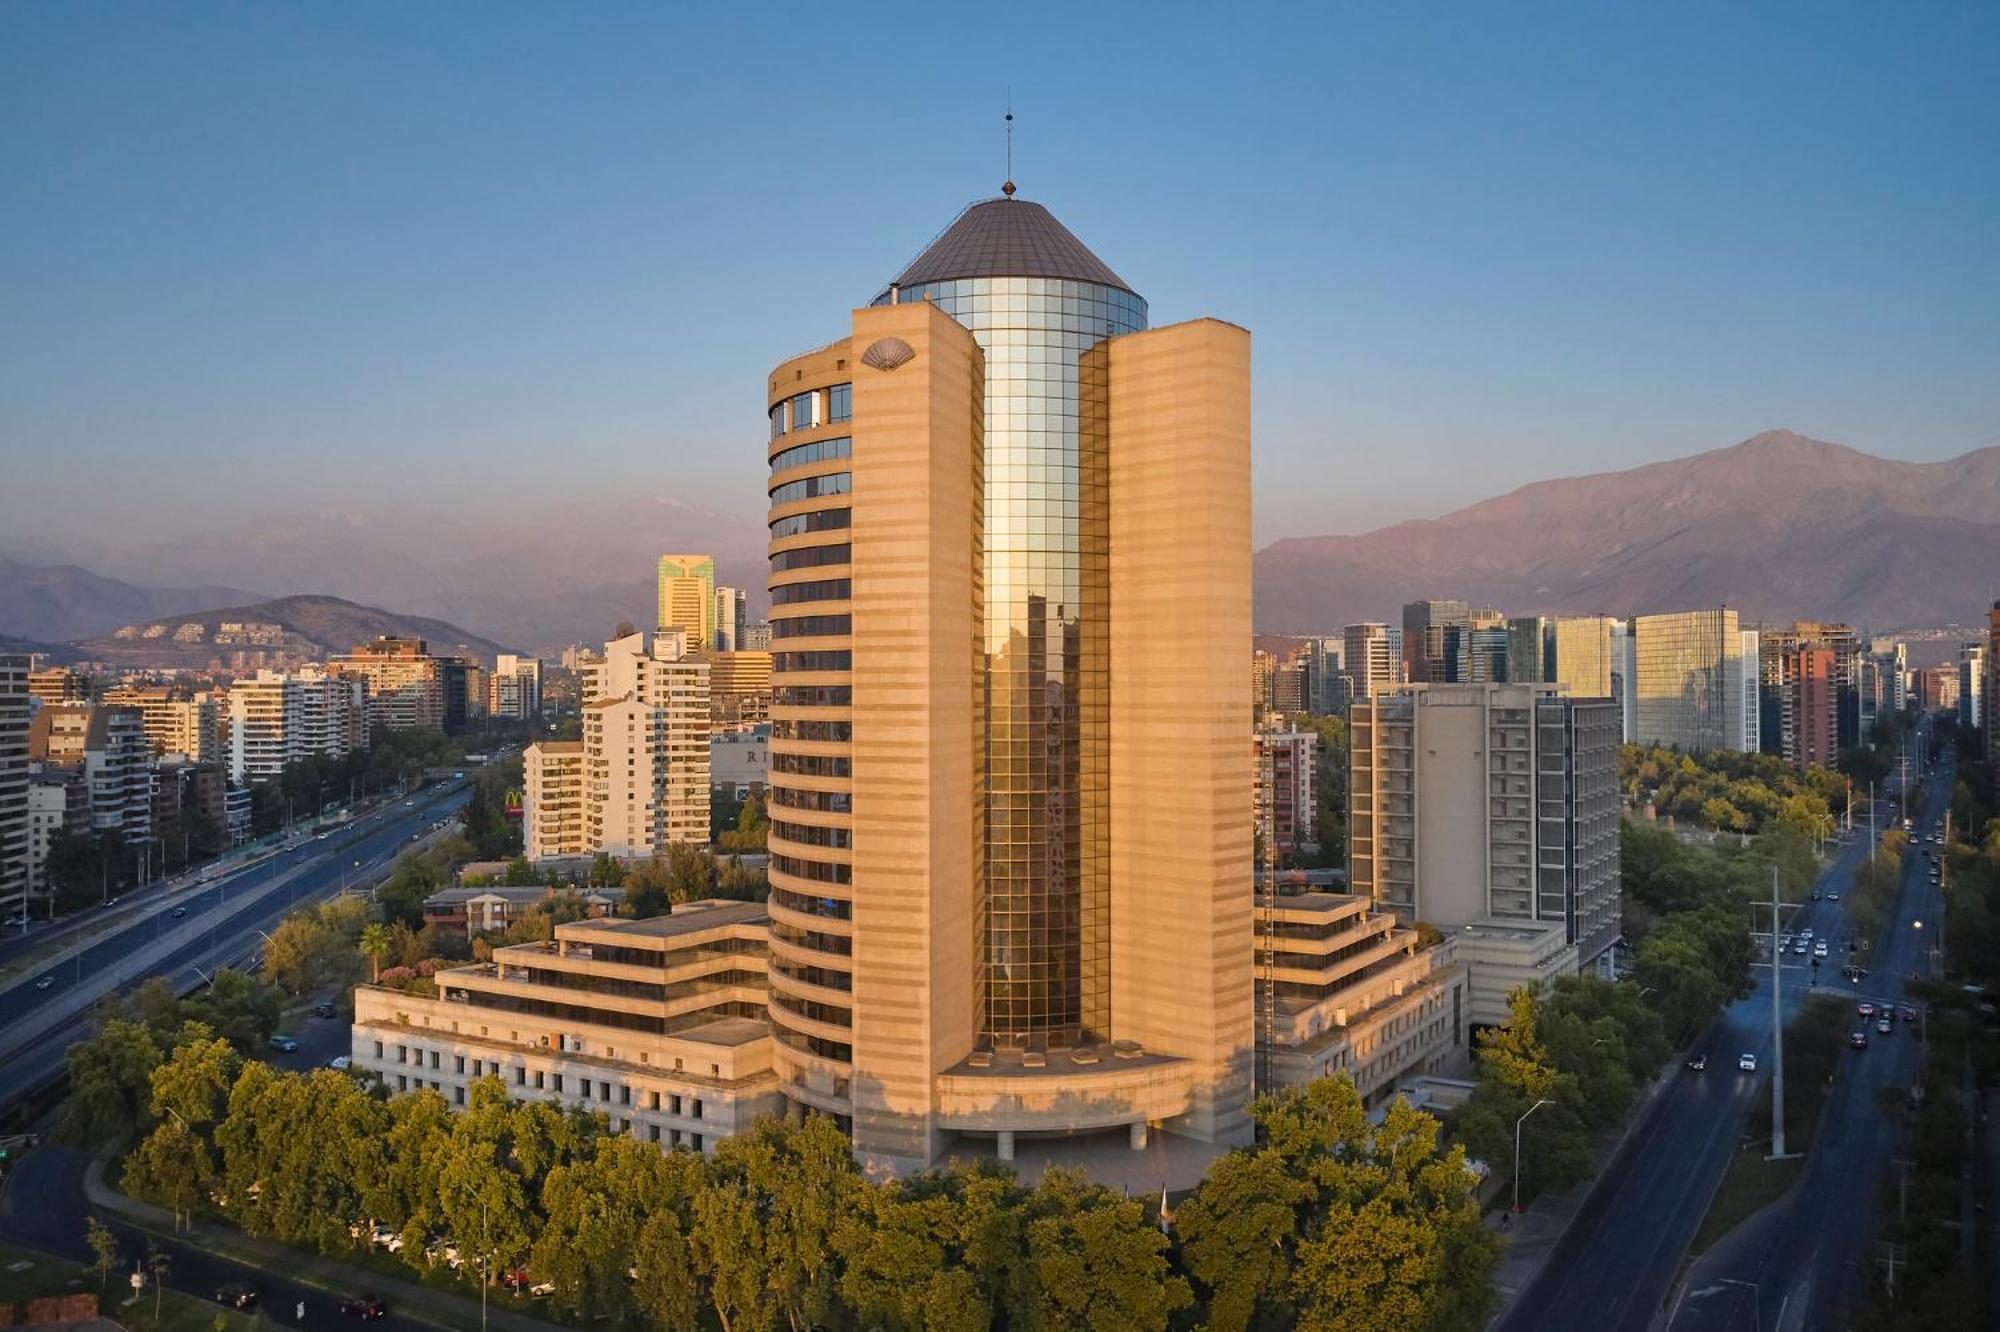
(298, 627)
(1779, 527)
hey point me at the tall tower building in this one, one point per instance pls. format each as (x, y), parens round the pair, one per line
(1434, 641)
(1690, 690)
(687, 597)
(732, 617)
(1011, 798)
(13, 780)
(1531, 649)
(1373, 658)
(1583, 655)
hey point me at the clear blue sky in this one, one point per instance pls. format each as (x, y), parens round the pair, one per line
(259, 257)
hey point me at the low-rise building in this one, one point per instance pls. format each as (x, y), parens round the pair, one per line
(477, 909)
(657, 1024)
(739, 762)
(1344, 988)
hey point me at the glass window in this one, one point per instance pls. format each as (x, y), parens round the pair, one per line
(812, 487)
(778, 421)
(818, 451)
(819, 520)
(811, 557)
(805, 411)
(826, 589)
(840, 403)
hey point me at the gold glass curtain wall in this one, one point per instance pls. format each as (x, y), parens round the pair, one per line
(1046, 952)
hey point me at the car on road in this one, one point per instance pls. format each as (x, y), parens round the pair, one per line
(339, 1063)
(237, 1295)
(320, 838)
(368, 1308)
(1819, 949)
(284, 1045)
(1815, 894)
(1802, 947)
(1884, 1025)
(1909, 1014)
(16, 921)
(1698, 1064)
(179, 911)
(324, 1010)
(1865, 1009)
(1747, 1062)
(1833, 897)
(1858, 1040)
(46, 981)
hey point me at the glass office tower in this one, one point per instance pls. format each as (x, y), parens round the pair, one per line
(1035, 299)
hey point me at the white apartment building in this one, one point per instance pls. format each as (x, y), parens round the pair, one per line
(1372, 656)
(643, 760)
(514, 690)
(275, 719)
(106, 748)
(51, 796)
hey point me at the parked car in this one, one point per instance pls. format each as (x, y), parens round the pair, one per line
(1858, 1040)
(1698, 1064)
(339, 1063)
(1747, 1062)
(284, 1045)
(237, 1295)
(368, 1308)
(324, 1011)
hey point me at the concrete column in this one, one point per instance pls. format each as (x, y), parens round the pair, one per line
(1003, 1143)
(1139, 1136)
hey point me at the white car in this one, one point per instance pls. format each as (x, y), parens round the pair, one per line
(1747, 1062)
(339, 1063)
(1819, 949)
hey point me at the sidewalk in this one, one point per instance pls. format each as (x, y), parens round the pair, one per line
(409, 1299)
(1534, 1234)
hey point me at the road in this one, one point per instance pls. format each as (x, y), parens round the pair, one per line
(1805, 1260)
(232, 909)
(1616, 1264)
(44, 1208)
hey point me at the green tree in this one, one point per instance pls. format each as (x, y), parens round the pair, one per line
(1238, 1237)
(682, 874)
(376, 945)
(1095, 1260)
(110, 1080)
(103, 1249)
(171, 1166)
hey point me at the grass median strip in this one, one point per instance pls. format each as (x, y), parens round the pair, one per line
(1752, 1183)
(25, 1276)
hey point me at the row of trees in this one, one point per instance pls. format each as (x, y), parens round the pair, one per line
(1731, 791)
(1586, 1046)
(1333, 1225)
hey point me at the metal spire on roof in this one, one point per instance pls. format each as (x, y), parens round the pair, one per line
(1008, 187)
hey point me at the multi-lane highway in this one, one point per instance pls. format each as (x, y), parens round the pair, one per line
(1615, 1266)
(1804, 1261)
(185, 935)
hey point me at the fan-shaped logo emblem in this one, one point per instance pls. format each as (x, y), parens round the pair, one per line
(888, 353)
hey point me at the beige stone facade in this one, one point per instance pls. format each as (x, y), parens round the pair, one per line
(656, 1024)
(1010, 796)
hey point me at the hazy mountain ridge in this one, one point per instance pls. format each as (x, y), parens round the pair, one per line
(313, 626)
(1778, 526)
(53, 603)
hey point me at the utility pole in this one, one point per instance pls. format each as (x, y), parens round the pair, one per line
(1777, 1033)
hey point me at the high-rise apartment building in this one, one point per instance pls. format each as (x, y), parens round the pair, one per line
(1011, 795)
(1690, 691)
(1327, 687)
(14, 819)
(687, 597)
(638, 780)
(179, 723)
(276, 719)
(106, 747)
(58, 684)
(1289, 684)
(1434, 645)
(1488, 803)
(406, 684)
(514, 690)
(1937, 688)
(1287, 765)
(1485, 660)
(1373, 658)
(1971, 684)
(1625, 678)
(739, 688)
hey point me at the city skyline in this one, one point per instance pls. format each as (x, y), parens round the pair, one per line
(1428, 241)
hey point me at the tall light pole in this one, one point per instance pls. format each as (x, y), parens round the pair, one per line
(1517, 1148)
(1777, 1033)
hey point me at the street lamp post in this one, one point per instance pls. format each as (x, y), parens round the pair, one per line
(1517, 1148)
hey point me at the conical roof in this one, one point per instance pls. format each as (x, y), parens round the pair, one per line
(1007, 238)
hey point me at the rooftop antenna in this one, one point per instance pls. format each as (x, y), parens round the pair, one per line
(1008, 188)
